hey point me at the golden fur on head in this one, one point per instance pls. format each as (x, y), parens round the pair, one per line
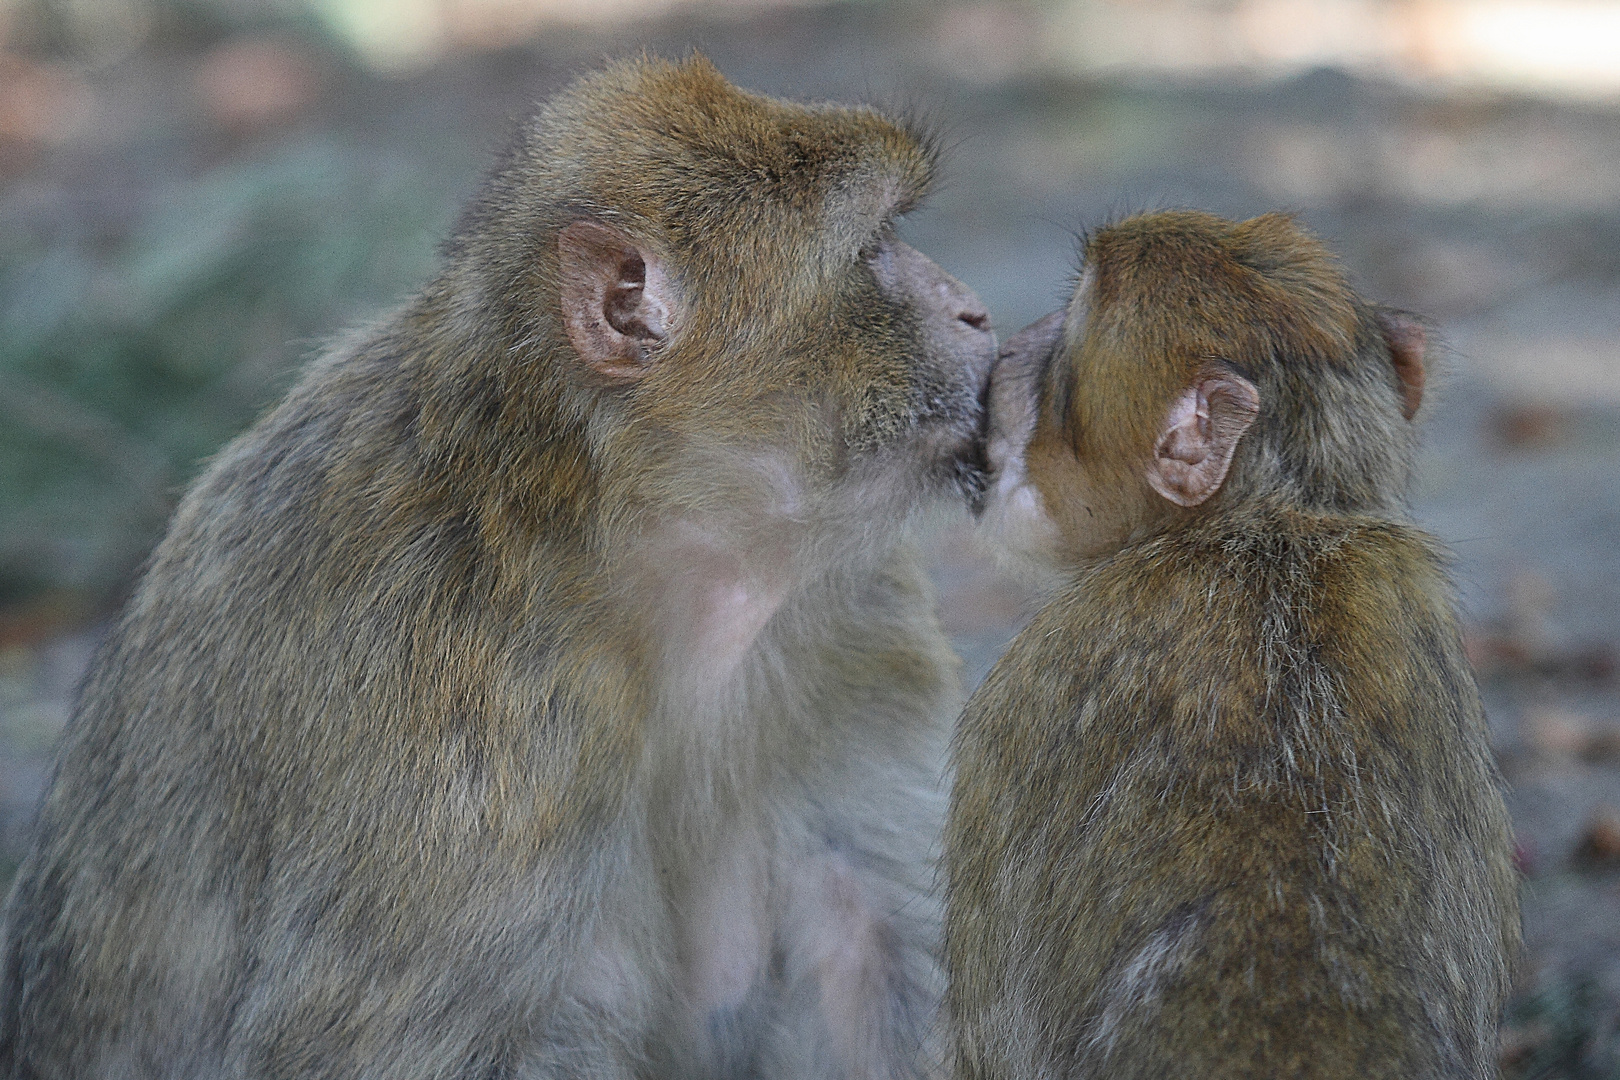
(1172, 291)
(1314, 386)
(761, 209)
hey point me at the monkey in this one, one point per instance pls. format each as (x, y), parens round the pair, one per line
(1225, 807)
(550, 685)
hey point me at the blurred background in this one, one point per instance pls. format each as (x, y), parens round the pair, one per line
(194, 193)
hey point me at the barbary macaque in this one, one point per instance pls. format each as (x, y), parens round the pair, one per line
(548, 685)
(1225, 808)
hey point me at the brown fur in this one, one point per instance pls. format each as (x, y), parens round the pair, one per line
(1226, 807)
(490, 713)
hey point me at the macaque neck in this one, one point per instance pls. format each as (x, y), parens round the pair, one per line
(710, 594)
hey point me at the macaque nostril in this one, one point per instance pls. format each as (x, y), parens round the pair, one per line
(979, 320)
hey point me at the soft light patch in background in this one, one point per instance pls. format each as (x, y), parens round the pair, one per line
(1561, 48)
(403, 34)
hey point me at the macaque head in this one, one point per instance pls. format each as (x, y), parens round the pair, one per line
(711, 285)
(1200, 363)
(870, 373)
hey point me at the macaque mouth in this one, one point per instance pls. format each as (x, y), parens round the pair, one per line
(970, 474)
(973, 464)
(999, 375)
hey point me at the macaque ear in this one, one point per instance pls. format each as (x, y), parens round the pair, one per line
(1406, 340)
(1200, 435)
(618, 303)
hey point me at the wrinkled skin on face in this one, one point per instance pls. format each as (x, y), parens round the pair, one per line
(1014, 392)
(953, 326)
(1012, 508)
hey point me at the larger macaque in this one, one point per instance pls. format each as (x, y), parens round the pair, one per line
(546, 687)
(1225, 810)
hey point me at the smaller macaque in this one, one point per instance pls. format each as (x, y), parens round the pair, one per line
(1226, 807)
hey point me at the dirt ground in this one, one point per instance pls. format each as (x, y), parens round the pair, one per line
(1497, 217)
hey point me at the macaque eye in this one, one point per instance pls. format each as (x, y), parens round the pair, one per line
(877, 245)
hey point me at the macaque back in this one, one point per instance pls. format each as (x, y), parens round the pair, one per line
(1226, 807)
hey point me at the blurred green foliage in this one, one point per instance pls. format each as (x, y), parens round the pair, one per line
(98, 32)
(128, 353)
(1566, 1030)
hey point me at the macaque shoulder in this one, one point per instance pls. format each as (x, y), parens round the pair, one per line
(1233, 608)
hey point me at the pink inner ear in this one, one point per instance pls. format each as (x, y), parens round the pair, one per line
(616, 300)
(1407, 343)
(1200, 434)
(1185, 437)
(623, 298)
